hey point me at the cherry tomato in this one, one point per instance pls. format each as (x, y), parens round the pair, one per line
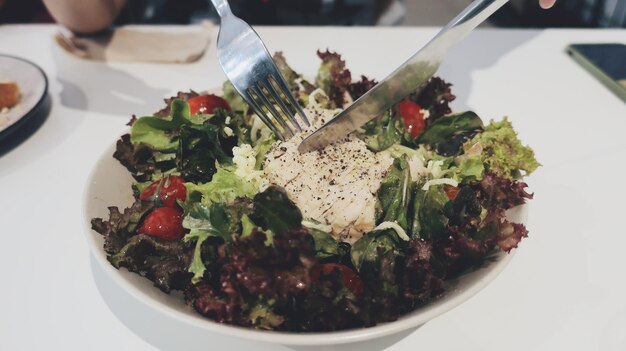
(413, 117)
(451, 191)
(163, 222)
(172, 188)
(206, 104)
(349, 277)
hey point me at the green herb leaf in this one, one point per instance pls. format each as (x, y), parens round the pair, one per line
(368, 248)
(273, 210)
(156, 131)
(204, 222)
(394, 194)
(448, 133)
(431, 214)
(199, 148)
(383, 133)
(246, 226)
(325, 245)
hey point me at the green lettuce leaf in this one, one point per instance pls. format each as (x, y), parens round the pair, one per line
(273, 210)
(503, 153)
(286, 71)
(448, 133)
(431, 212)
(262, 316)
(325, 245)
(261, 149)
(398, 150)
(383, 132)
(198, 151)
(466, 168)
(246, 226)
(204, 222)
(156, 131)
(469, 169)
(394, 195)
(369, 247)
(417, 200)
(225, 187)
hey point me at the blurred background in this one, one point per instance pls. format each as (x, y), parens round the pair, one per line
(517, 13)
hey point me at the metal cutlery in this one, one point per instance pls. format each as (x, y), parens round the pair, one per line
(405, 79)
(249, 66)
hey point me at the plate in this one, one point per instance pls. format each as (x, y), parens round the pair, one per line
(33, 85)
(109, 184)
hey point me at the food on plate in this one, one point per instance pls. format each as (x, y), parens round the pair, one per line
(337, 186)
(362, 232)
(9, 95)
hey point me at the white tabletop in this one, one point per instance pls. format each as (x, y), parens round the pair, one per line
(564, 290)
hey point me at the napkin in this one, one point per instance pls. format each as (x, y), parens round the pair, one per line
(141, 44)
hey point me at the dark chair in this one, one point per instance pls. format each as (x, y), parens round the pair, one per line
(307, 12)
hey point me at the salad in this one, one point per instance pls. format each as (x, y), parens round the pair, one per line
(362, 232)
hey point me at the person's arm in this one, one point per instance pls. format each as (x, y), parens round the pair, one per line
(546, 4)
(85, 16)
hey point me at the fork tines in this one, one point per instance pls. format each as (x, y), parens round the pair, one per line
(275, 105)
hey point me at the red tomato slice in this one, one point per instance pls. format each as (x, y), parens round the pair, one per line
(172, 189)
(413, 117)
(349, 277)
(451, 191)
(163, 222)
(206, 104)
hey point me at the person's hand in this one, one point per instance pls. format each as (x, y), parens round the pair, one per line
(546, 4)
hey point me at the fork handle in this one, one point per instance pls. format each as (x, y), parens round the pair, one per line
(222, 7)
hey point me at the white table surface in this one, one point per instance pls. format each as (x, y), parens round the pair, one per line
(564, 290)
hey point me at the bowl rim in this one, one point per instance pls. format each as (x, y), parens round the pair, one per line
(404, 323)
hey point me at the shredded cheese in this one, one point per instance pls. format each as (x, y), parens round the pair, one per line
(397, 228)
(228, 131)
(319, 226)
(244, 157)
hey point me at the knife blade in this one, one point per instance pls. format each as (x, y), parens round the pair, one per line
(404, 80)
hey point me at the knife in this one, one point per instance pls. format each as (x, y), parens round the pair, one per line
(405, 79)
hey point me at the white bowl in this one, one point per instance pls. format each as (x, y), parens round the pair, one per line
(110, 185)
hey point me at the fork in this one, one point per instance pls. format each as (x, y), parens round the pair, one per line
(249, 66)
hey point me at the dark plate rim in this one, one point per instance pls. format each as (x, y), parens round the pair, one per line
(33, 111)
